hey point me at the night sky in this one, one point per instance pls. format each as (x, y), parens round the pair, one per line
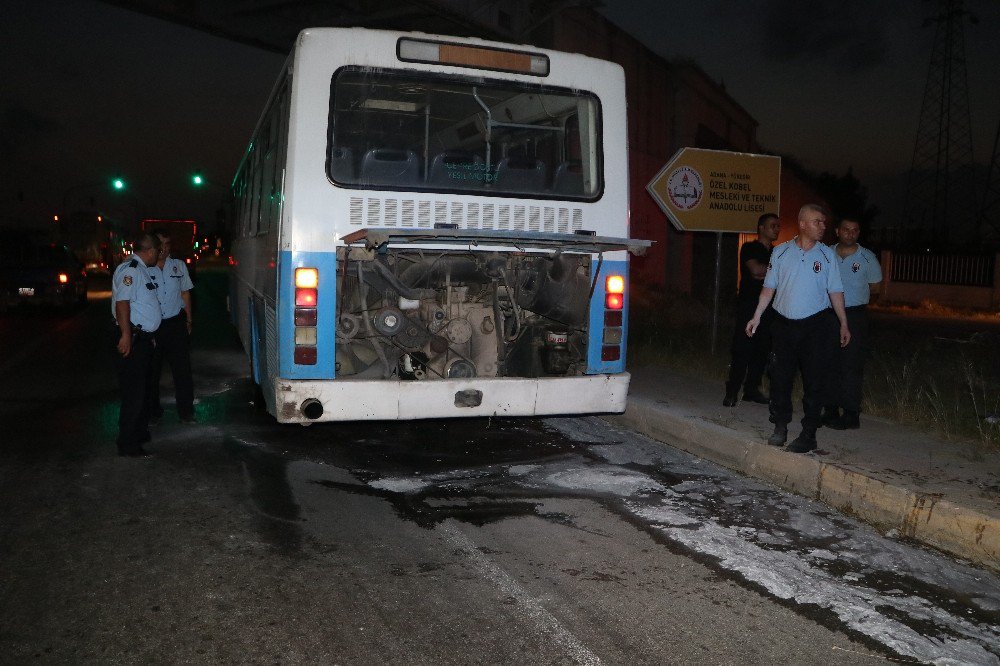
(90, 91)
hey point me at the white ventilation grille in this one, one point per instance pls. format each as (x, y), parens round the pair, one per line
(391, 212)
(534, 218)
(408, 213)
(519, 218)
(356, 206)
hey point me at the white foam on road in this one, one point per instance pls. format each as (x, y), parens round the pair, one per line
(612, 480)
(789, 575)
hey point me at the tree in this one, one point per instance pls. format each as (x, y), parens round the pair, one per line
(846, 195)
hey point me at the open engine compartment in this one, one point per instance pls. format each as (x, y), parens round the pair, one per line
(424, 315)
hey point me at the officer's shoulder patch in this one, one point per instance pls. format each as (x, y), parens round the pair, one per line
(133, 263)
(127, 280)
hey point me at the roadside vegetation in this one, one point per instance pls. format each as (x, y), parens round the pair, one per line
(944, 380)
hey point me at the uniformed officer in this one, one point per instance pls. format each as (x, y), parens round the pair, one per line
(749, 355)
(861, 274)
(804, 281)
(173, 340)
(136, 310)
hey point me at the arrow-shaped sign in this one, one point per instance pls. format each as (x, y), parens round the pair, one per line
(715, 190)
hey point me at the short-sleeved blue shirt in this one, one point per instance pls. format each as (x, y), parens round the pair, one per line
(172, 279)
(857, 271)
(803, 281)
(133, 283)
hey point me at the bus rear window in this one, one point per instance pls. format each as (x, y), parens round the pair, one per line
(401, 131)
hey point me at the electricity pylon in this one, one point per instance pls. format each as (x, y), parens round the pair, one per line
(940, 194)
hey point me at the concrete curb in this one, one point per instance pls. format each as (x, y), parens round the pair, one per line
(964, 532)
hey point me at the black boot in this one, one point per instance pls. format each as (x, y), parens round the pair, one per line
(831, 415)
(779, 435)
(805, 442)
(848, 421)
(730, 399)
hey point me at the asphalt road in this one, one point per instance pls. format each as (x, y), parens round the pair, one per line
(507, 541)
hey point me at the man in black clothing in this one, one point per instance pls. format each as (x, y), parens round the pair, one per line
(749, 355)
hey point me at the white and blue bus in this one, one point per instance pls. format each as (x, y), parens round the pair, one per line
(434, 227)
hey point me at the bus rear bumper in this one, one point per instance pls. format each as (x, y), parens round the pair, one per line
(389, 400)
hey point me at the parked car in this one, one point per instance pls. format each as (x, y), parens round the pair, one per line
(40, 274)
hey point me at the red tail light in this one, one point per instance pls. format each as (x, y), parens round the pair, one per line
(306, 297)
(614, 303)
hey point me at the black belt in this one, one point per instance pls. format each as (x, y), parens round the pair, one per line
(804, 319)
(856, 307)
(136, 331)
(176, 316)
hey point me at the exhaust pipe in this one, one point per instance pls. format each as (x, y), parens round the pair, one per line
(312, 409)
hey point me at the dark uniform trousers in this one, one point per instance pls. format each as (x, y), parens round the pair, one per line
(846, 371)
(173, 344)
(806, 345)
(749, 354)
(133, 378)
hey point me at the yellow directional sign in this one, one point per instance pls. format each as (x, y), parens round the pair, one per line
(715, 190)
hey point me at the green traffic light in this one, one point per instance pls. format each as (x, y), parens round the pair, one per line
(118, 184)
(196, 179)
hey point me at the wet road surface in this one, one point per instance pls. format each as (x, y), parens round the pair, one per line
(473, 541)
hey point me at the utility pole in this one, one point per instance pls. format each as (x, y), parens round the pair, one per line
(940, 194)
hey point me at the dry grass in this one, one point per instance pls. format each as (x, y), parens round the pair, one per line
(930, 308)
(947, 386)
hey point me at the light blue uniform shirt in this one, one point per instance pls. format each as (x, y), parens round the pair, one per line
(172, 280)
(857, 271)
(803, 281)
(133, 283)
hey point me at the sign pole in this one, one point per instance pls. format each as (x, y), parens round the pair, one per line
(718, 282)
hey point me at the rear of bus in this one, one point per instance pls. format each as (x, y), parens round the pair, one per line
(453, 232)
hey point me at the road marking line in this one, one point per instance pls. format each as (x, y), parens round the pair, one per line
(542, 618)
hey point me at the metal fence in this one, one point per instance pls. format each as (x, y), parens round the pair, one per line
(951, 269)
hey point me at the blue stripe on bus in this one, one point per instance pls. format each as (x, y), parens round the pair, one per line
(326, 356)
(594, 363)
